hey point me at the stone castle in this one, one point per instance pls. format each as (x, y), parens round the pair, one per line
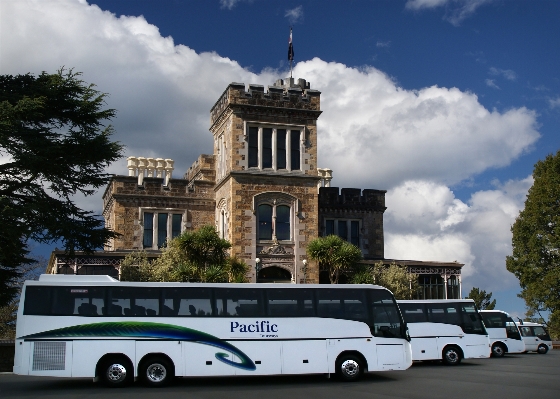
(262, 189)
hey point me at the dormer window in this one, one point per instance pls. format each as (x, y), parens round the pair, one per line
(275, 147)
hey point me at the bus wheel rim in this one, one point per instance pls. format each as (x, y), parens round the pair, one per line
(350, 368)
(116, 372)
(156, 372)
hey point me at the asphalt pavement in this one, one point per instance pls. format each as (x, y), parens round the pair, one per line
(523, 376)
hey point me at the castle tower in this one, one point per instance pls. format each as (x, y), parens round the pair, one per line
(265, 150)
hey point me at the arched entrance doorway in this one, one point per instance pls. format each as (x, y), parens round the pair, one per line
(274, 274)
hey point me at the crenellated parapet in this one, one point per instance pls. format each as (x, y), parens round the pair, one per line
(284, 94)
(352, 198)
(202, 169)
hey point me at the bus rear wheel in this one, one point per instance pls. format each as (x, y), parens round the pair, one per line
(116, 372)
(349, 368)
(498, 350)
(451, 355)
(156, 371)
(542, 349)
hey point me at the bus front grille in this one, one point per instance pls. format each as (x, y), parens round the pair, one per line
(49, 355)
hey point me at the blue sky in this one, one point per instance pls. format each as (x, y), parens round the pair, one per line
(447, 104)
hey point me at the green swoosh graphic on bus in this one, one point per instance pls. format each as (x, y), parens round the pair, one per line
(150, 330)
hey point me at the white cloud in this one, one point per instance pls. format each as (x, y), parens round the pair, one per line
(295, 15)
(383, 43)
(505, 73)
(455, 10)
(230, 4)
(425, 221)
(554, 102)
(492, 83)
(372, 133)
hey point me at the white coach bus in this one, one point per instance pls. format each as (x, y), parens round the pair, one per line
(503, 333)
(95, 326)
(449, 330)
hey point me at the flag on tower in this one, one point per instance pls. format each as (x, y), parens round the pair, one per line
(290, 48)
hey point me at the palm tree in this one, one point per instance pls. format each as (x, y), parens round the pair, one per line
(334, 255)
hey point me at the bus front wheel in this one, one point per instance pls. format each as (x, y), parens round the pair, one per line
(156, 371)
(349, 368)
(451, 355)
(542, 349)
(498, 350)
(116, 372)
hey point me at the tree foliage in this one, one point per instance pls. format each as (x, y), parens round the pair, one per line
(482, 299)
(334, 255)
(199, 256)
(396, 278)
(53, 145)
(535, 258)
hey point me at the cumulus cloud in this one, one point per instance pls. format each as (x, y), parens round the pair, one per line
(554, 102)
(295, 15)
(230, 4)
(372, 133)
(455, 10)
(426, 222)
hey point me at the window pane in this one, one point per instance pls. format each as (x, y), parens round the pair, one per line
(294, 149)
(265, 222)
(283, 222)
(342, 304)
(355, 233)
(37, 300)
(253, 147)
(162, 229)
(148, 229)
(267, 148)
(176, 225)
(290, 302)
(329, 227)
(244, 302)
(386, 317)
(413, 312)
(343, 229)
(82, 301)
(132, 301)
(443, 313)
(187, 302)
(472, 322)
(281, 149)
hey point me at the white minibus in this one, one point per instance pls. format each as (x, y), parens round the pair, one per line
(96, 326)
(447, 330)
(535, 337)
(503, 333)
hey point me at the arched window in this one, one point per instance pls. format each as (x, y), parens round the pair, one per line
(275, 216)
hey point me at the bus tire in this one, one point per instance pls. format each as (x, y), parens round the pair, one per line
(542, 349)
(451, 355)
(349, 368)
(116, 372)
(498, 350)
(156, 371)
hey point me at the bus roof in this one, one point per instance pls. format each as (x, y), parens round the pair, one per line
(103, 280)
(434, 300)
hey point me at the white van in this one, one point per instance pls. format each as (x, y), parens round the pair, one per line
(535, 337)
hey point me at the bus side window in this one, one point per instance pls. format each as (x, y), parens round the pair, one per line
(37, 300)
(243, 302)
(187, 302)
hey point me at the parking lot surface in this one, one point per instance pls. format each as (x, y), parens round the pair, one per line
(524, 376)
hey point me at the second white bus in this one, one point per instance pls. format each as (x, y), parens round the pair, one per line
(446, 330)
(503, 333)
(95, 326)
(535, 337)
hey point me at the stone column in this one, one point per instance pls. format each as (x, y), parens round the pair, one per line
(142, 164)
(132, 166)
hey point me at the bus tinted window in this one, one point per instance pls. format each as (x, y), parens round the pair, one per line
(242, 302)
(472, 322)
(443, 313)
(290, 302)
(386, 318)
(493, 320)
(413, 312)
(37, 300)
(342, 304)
(132, 301)
(187, 302)
(77, 301)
